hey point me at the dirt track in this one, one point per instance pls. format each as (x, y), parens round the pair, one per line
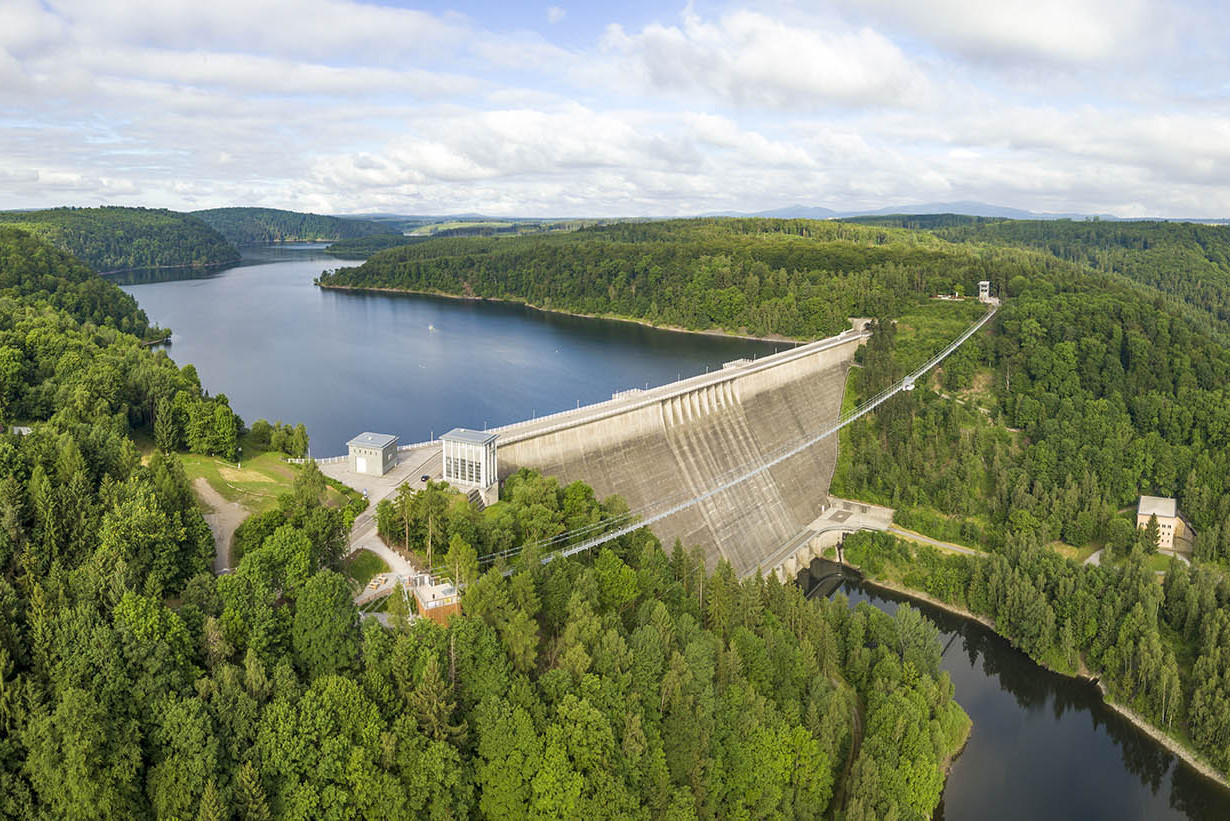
(223, 519)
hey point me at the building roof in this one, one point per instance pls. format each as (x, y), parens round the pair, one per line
(436, 595)
(373, 440)
(1160, 506)
(472, 437)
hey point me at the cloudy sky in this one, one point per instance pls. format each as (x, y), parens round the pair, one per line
(639, 108)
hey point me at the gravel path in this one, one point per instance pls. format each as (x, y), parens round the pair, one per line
(224, 518)
(918, 537)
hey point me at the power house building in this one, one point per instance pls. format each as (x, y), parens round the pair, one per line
(1169, 522)
(469, 459)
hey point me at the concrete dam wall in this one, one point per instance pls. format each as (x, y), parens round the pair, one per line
(686, 438)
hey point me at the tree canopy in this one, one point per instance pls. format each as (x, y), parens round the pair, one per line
(262, 226)
(112, 238)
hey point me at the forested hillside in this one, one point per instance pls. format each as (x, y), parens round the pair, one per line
(262, 226)
(1104, 377)
(113, 239)
(31, 271)
(364, 247)
(795, 278)
(1089, 391)
(631, 684)
(1190, 261)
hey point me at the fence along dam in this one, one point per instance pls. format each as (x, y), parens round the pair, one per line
(681, 440)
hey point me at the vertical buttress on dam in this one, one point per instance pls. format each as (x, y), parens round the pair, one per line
(688, 437)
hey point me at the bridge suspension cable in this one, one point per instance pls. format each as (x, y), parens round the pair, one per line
(633, 520)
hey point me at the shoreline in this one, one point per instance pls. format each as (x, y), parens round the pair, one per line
(169, 267)
(642, 322)
(1178, 749)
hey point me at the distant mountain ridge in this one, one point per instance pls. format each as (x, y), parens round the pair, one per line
(969, 208)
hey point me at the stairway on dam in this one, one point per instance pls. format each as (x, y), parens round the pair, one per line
(685, 438)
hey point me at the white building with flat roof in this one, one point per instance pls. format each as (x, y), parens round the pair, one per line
(1166, 510)
(469, 458)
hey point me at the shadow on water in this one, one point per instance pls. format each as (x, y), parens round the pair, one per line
(1043, 745)
(249, 255)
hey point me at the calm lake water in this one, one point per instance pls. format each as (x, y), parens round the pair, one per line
(343, 363)
(1044, 745)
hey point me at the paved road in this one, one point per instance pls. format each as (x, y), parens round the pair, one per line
(411, 465)
(918, 537)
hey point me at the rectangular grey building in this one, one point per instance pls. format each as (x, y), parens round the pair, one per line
(373, 453)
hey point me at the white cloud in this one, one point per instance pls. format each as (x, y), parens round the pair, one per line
(749, 59)
(302, 28)
(246, 73)
(555, 14)
(1068, 30)
(347, 106)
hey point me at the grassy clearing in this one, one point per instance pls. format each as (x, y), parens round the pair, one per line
(145, 445)
(363, 566)
(427, 230)
(255, 482)
(1076, 554)
(1159, 562)
(929, 326)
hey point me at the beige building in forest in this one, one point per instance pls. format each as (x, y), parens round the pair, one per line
(1169, 524)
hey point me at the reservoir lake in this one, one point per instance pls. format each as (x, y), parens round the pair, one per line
(1042, 746)
(345, 362)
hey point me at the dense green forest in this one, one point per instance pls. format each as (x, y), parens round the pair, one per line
(1091, 390)
(796, 278)
(1104, 377)
(31, 271)
(1162, 650)
(364, 247)
(262, 226)
(113, 239)
(631, 684)
(1190, 261)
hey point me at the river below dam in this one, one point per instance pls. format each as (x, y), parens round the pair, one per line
(1042, 746)
(1045, 745)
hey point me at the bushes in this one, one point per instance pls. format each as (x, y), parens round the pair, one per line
(284, 438)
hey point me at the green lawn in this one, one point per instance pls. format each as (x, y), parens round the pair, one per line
(1159, 561)
(363, 566)
(1076, 554)
(255, 482)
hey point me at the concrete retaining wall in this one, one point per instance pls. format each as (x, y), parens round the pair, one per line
(684, 438)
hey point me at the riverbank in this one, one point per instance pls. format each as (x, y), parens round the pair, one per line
(614, 318)
(194, 265)
(1172, 744)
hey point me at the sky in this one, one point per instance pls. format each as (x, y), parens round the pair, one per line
(622, 109)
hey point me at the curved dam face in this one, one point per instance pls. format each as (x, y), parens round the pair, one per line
(684, 439)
